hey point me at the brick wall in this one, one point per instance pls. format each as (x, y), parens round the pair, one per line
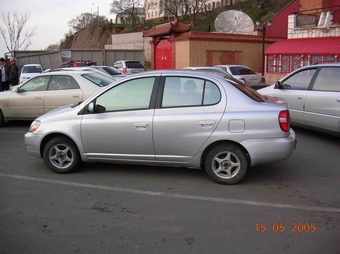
(209, 53)
(313, 4)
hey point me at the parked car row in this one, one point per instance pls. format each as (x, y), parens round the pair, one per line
(138, 116)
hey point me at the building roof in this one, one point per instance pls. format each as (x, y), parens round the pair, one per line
(320, 45)
(167, 28)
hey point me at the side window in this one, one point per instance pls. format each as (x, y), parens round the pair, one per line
(300, 80)
(180, 91)
(62, 83)
(328, 79)
(131, 95)
(36, 84)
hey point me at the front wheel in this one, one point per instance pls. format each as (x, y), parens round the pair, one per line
(2, 119)
(226, 164)
(61, 155)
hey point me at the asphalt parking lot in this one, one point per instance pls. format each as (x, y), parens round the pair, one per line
(292, 206)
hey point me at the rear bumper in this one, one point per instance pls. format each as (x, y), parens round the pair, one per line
(270, 150)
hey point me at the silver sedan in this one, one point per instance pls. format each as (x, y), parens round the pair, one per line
(173, 118)
(313, 96)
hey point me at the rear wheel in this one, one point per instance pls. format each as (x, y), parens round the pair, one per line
(226, 164)
(61, 155)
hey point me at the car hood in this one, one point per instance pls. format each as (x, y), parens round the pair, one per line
(61, 112)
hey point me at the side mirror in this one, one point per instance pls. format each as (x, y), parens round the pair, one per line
(90, 107)
(278, 85)
(19, 90)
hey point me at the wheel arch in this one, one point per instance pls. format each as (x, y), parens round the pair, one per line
(54, 135)
(212, 145)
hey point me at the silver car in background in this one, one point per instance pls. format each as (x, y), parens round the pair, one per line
(243, 73)
(172, 118)
(313, 96)
(129, 66)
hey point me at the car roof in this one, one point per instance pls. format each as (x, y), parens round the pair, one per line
(32, 65)
(323, 64)
(58, 72)
(232, 65)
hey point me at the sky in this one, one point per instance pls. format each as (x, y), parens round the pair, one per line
(51, 17)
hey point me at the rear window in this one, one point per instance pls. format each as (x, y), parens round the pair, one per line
(247, 90)
(112, 71)
(134, 65)
(241, 70)
(32, 69)
(85, 64)
(98, 78)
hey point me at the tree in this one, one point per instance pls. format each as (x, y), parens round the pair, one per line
(127, 10)
(14, 33)
(80, 22)
(53, 47)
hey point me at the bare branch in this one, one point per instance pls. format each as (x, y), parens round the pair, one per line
(14, 25)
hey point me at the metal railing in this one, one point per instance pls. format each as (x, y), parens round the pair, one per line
(311, 17)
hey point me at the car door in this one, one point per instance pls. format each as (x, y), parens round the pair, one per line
(28, 100)
(62, 90)
(186, 117)
(121, 127)
(294, 90)
(322, 107)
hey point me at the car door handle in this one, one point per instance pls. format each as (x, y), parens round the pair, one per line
(207, 124)
(300, 98)
(38, 97)
(141, 126)
(338, 100)
(76, 96)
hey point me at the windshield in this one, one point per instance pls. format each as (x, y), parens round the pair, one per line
(98, 78)
(247, 90)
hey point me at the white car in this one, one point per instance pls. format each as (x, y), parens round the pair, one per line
(313, 96)
(243, 73)
(49, 91)
(30, 70)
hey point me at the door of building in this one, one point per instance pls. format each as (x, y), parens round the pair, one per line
(163, 55)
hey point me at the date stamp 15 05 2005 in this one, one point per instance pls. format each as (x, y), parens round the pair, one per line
(280, 227)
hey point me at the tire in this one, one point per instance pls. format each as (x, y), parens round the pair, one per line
(226, 164)
(61, 155)
(2, 119)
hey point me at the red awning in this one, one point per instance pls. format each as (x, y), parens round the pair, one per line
(322, 45)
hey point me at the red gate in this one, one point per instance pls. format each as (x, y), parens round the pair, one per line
(163, 55)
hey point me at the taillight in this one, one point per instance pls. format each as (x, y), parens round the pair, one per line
(284, 120)
(263, 80)
(124, 70)
(243, 80)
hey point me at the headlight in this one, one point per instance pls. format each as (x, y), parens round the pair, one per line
(34, 126)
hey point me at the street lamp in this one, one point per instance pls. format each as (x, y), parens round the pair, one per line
(91, 10)
(263, 29)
